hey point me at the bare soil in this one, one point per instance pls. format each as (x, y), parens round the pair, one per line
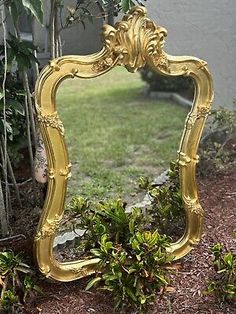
(218, 197)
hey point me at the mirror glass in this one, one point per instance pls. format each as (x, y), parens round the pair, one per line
(122, 131)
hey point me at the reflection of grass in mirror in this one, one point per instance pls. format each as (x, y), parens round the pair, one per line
(115, 134)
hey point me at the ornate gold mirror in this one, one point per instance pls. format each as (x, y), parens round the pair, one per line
(133, 43)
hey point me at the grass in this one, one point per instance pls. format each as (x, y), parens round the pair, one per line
(115, 134)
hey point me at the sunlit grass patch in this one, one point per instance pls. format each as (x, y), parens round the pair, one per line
(116, 134)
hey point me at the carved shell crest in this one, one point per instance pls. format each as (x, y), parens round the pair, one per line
(135, 39)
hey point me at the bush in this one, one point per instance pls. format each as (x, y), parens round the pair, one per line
(134, 263)
(15, 113)
(217, 150)
(166, 208)
(16, 281)
(157, 82)
(224, 283)
(133, 260)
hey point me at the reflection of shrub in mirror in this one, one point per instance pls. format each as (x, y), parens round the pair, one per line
(157, 82)
(166, 205)
(163, 211)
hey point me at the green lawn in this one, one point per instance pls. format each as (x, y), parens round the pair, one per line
(115, 134)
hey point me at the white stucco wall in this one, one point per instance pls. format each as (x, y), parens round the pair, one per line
(205, 29)
(75, 40)
(202, 28)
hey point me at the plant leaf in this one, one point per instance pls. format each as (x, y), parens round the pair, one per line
(35, 7)
(16, 8)
(126, 4)
(131, 294)
(92, 282)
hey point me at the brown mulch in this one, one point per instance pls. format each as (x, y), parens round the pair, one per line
(218, 197)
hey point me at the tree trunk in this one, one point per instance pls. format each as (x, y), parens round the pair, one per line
(4, 206)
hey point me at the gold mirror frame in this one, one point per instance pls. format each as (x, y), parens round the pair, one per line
(133, 43)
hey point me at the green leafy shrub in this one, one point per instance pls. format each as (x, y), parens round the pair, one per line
(157, 82)
(9, 302)
(135, 271)
(15, 113)
(218, 145)
(166, 210)
(224, 283)
(16, 281)
(22, 52)
(80, 12)
(134, 262)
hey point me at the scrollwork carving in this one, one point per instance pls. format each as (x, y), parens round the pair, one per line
(48, 229)
(193, 206)
(203, 112)
(82, 272)
(46, 271)
(201, 64)
(135, 39)
(74, 72)
(54, 65)
(51, 173)
(103, 64)
(197, 209)
(51, 120)
(161, 62)
(190, 121)
(66, 172)
(184, 159)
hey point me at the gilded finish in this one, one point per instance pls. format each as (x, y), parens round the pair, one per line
(51, 120)
(133, 43)
(134, 40)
